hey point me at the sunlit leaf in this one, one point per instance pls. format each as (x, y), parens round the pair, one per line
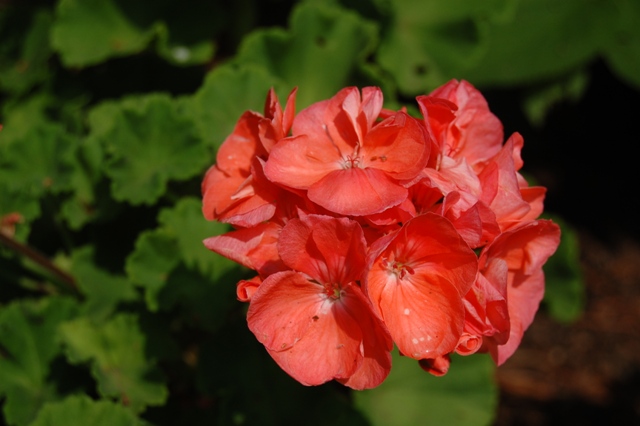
(87, 32)
(149, 141)
(119, 363)
(465, 396)
(319, 53)
(84, 410)
(28, 344)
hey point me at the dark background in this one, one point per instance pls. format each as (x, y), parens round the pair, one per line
(586, 372)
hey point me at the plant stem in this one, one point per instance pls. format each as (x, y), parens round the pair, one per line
(39, 259)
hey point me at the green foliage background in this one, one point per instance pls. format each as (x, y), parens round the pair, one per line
(111, 310)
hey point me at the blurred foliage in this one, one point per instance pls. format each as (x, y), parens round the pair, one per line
(111, 113)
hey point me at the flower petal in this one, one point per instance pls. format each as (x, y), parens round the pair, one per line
(357, 192)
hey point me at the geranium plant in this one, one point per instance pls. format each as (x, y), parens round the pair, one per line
(368, 227)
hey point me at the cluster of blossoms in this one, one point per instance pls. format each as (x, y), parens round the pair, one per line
(368, 227)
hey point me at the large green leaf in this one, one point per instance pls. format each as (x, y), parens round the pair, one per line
(119, 363)
(465, 396)
(320, 53)
(87, 32)
(544, 39)
(430, 42)
(80, 409)
(28, 344)
(149, 141)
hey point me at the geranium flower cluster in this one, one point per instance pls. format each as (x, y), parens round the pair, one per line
(368, 227)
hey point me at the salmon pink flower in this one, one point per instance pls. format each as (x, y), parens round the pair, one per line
(314, 319)
(416, 281)
(348, 163)
(361, 224)
(461, 122)
(505, 191)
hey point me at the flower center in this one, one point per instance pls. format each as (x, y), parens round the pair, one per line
(333, 291)
(350, 162)
(398, 268)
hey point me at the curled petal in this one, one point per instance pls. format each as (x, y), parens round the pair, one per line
(468, 344)
(246, 288)
(438, 366)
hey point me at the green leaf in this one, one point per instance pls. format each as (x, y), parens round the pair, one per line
(430, 42)
(623, 50)
(185, 223)
(80, 409)
(21, 116)
(86, 201)
(28, 344)
(544, 39)
(39, 161)
(25, 205)
(150, 141)
(564, 282)
(226, 93)
(155, 264)
(18, 75)
(103, 291)
(150, 264)
(466, 395)
(87, 32)
(319, 54)
(116, 350)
